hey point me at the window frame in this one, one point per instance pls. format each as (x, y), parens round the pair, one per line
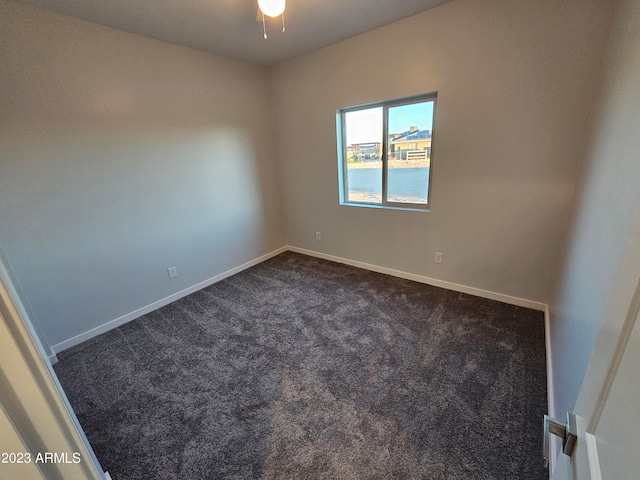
(341, 135)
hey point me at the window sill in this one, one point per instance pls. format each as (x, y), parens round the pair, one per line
(387, 207)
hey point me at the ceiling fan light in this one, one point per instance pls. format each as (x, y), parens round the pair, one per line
(272, 8)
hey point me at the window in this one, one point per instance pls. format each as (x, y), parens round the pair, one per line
(384, 153)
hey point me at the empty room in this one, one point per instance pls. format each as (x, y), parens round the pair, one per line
(246, 239)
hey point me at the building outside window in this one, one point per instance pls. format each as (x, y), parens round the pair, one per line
(384, 153)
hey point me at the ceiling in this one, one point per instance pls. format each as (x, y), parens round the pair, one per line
(230, 27)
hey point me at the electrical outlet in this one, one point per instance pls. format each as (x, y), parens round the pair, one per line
(438, 258)
(318, 236)
(173, 273)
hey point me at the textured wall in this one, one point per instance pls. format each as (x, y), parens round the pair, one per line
(121, 156)
(515, 84)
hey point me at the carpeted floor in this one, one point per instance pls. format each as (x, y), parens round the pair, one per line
(299, 368)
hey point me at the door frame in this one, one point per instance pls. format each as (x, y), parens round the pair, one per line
(32, 396)
(620, 318)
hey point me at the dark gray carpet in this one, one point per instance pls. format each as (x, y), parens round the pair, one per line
(299, 368)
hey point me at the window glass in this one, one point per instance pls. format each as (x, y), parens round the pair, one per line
(409, 141)
(363, 132)
(385, 153)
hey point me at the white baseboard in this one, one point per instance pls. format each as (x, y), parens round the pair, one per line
(554, 445)
(53, 359)
(105, 327)
(547, 341)
(478, 292)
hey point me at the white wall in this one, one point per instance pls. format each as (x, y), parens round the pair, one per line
(119, 157)
(607, 205)
(515, 82)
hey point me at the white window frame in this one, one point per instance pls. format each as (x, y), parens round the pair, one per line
(342, 152)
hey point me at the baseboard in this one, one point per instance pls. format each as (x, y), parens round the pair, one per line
(478, 292)
(53, 359)
(547, 341)
(105, 327)
(554, 445)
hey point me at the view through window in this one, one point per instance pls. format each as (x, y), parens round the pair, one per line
(385, 152)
